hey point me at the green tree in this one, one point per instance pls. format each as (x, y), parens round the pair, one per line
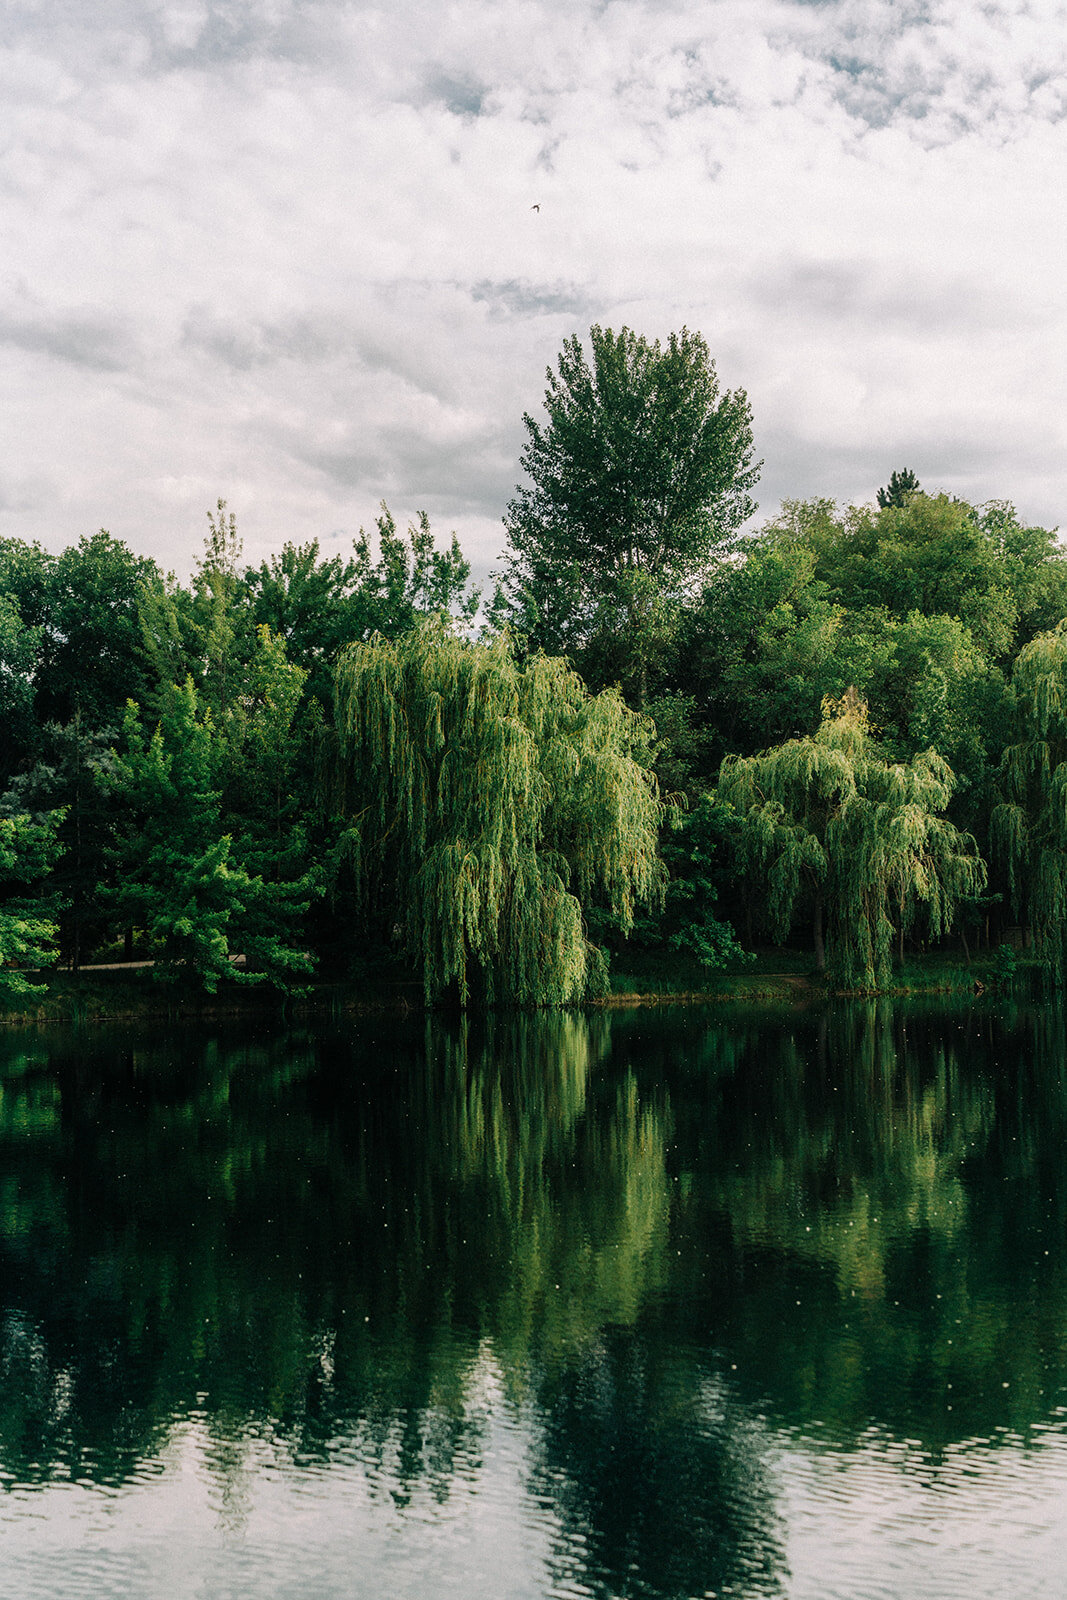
(81, 608)
(320, 604)
(1030, 825)
(176, 872)
(95, 659)
(204, 632)
(930, 685)
(70, 641)
(901, 486)
(829, 819)
(70, 778)
(264, 766)
(932, 554)
(697, 845)
(1035, 567)
(487, 801)
(18, 659)
(765, 645)
(28, 850)
(642, 469)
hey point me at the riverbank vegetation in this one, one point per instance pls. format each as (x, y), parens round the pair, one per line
(661, 741)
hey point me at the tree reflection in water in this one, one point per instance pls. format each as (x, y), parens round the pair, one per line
(668, 1238)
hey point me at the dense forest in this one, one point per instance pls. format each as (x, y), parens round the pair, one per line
(848, 728)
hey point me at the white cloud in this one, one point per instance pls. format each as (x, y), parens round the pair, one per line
(286, 252)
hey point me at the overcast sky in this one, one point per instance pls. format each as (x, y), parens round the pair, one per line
(285, 251)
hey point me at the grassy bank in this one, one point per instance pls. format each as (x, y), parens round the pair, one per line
(638, 978)
(125, 996)
(781, 974)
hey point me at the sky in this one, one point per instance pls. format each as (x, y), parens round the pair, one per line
(310, 255)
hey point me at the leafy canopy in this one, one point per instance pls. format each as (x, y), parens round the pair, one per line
(866, 839)
(642, 468)
(933, 554)
(1029, 827)
(487, 800)
(177, 873)
(28, 850)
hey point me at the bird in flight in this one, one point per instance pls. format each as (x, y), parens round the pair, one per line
(535, 207)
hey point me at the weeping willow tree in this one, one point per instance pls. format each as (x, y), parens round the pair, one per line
(487, 801)
(829, 819)
(1029, 828)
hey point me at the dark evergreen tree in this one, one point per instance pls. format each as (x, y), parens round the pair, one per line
(902, 485)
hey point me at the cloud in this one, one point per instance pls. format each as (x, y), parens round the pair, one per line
(285, 250)
(87, 337)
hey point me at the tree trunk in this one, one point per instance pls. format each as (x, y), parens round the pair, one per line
(816, 928)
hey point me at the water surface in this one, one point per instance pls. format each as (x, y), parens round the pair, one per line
(662, 1303)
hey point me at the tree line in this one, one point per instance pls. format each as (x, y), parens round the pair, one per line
(850, 725)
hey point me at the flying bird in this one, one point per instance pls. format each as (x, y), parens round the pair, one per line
(535, 207)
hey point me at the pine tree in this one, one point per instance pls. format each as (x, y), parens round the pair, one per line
(177, 874)
(901, 487)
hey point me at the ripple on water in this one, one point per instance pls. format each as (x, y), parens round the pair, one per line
(983, 1518)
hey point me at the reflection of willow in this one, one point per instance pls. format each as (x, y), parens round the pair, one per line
(322, 1238)
(658, 1476)
(573, 1197)
(655, 1476)
(864, 1148)
(878, 1195)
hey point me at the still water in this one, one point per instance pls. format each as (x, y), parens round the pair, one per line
(657, 1304)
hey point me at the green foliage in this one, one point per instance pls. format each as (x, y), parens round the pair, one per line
(679, 752)
(1029, 827)
(829, 818)
(70, 639)
(95, 660)
(28, 850)
(641, 471)
(1006, 966)
(694, 845)
(901, 486)
(19, 646)
(411, 578)
(1033, 562)
(765, 645)
(176, 875)
(931, 686)
(622, 554)
(204, 633)
(70, 777)
(489, 800)
(318, 605)
(932, 554)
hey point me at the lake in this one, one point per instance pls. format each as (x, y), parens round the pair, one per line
(656, 1303)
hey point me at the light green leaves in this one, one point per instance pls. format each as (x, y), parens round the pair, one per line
(491, 800)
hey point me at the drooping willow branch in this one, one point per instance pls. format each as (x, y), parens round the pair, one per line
(493, 799)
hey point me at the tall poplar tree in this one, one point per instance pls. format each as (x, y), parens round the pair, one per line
(828, 819)
(486, 802)
(641, 469)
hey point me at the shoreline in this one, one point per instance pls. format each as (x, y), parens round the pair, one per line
(114, 995)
